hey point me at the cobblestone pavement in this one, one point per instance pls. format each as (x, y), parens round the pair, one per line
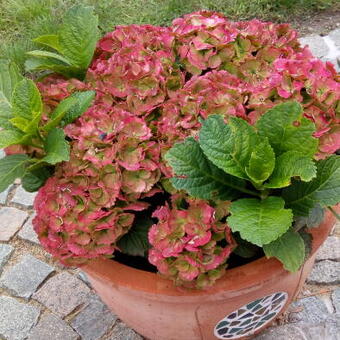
(42, 300)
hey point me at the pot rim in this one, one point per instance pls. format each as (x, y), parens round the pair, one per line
(234, 280)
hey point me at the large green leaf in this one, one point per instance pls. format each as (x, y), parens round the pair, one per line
(50, 40)
(291, 164)
(43, 64)
(197, 175)
(35, 179)
(262, 161)
(260, 222)
(78, 36)
(135, 242)
(324, 189)
(56, 147)
(69, 109)
(9, 77)
(11, 168)
(287, 129)
(49, 55)
(288, 249)
(10, 137)
(84, 100)
(26, 101)
(314, 218)
(229, 147)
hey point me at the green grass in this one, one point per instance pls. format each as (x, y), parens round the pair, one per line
(22, 20)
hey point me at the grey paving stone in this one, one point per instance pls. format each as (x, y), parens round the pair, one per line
(335, 36)
(84, 278)
(332, 327)
(330, 250)
(23, 197)
(3, 195)
(24, 278)
(11, 220)
(316, 44)
(123, 332)
(325, 272)
(16, 319)
(94, 320)
(336, 299)
(310, 310)
(27, 232)
(63, 293)
(50, 327)
(286, 332)
(5, 252)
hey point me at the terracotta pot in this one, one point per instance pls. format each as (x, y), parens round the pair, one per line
(159, 311)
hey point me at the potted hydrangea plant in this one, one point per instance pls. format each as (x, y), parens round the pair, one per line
(181, 150)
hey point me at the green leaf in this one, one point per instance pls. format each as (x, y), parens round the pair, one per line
(314, 218)
(262, 161)
(50, 40)
(291, 164)
(287, 129)
(288, 249)
(229, 146)
(244, 248)
(9, 77)
(35, 179)
(5, 112)
(42, 64)
(135, 242)
(59, 113)
(308, 241)
(26, 100)
(197, 175)
(49, 55)
(260, 222)
(84, 100)
(56, 147)
(11, 168)
(78, 36)
(324, 189)
(10, 137)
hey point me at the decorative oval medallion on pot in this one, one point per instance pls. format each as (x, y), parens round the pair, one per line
(251, 317)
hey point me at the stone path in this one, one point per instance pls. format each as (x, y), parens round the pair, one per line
(41, 300)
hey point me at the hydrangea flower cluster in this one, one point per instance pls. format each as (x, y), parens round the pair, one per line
(190, 246)
(153, 85)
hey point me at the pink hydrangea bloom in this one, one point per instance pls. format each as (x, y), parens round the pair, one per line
(190, 246)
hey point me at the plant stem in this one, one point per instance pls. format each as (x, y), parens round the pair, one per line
(337, 216)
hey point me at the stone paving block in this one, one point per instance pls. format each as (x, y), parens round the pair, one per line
(24, 278)
(63, 293)
(94, 320)
(309, 310)
(50, 327)
(16, 319)
(335, 36)
(336, 299)
(27, 232)
(82, 276)
(330, 250)
(5, 252)
(23, 197)
(3, 195)
(316, 44)
(11, 220)
(325, 272)
(123, 332)
(286, 332)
